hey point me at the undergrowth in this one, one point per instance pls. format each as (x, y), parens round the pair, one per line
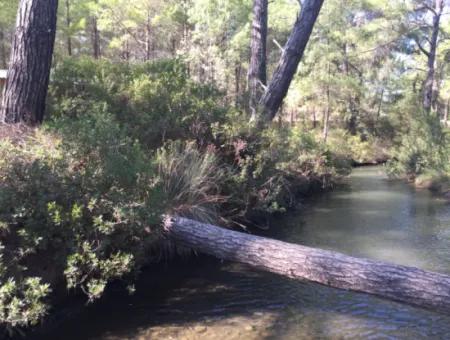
(81, 198)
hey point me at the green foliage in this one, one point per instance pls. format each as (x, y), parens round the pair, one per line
(153, 101)
(80, 86)
(360, 149)
(21, 303)
(80, 200)
(125, 142)
(269, 170)
(423, 147)
(434, 180)
(191, 180)
(165, 104)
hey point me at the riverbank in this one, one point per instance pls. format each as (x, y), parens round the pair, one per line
(163, 276)
(96, 209)
(368, 215)
(81, 197)
(436, 183)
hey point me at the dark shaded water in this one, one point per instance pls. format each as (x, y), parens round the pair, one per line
(368, 216)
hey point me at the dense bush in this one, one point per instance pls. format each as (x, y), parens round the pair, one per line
(82, 197)
(154, 101)
(269, 169)
(423, 147)
(79, 200)
(361, 149)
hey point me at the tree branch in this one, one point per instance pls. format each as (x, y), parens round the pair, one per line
(424, 51)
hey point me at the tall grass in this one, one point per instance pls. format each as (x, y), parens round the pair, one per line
(191, 180)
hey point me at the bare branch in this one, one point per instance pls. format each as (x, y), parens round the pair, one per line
(421, 48)
(278, 45)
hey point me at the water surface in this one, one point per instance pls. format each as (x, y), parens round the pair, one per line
(367, 216)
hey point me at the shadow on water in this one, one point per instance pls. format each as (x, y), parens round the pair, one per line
(369, 216)
(232, 297)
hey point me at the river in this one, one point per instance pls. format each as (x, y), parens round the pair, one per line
(367, 216)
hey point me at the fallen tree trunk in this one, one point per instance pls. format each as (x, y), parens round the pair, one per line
(395, 282)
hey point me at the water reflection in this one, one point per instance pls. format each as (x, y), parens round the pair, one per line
(370, 216)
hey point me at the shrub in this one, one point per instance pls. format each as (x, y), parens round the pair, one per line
(154, 101)
(80, 200)
(360, 149)
(436, 181)
(422, 148)
(268, 170)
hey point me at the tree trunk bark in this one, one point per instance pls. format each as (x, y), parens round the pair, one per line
(31, 57)
(447, 111)
(292, 54)
(429, 81)
(314, 118)
(95, 37)
(68, 27)
(351, 101)
(380, 103)
(3, 60)
(237, 84)
(394, 282)
(326, 120)
(257, 75)
(148, 34)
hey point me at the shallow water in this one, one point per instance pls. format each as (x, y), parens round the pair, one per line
(368, 216)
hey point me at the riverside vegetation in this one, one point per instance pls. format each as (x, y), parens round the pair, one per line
(81, 198)
(148, 114)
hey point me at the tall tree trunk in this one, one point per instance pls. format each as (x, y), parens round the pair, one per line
(429, 81)
(174, 47)
(292, 54)
(438, 80)
(68, 27)
(31, 57)
(185, 25)
(447, 111)
(126, 51)
(351, 101)
(95, 39)
(380, 103)
(96, 52)
(227, 82)
(3, 57)
(394, 282)
(257, 74)
(314, 118)
(326, 120)
(148, 36)
(237, 84)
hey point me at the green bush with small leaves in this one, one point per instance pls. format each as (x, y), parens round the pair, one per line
(79, 200)
(154, 101)
(267, 170)
(422, 148)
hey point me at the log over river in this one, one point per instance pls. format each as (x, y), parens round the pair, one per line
(368, 217)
